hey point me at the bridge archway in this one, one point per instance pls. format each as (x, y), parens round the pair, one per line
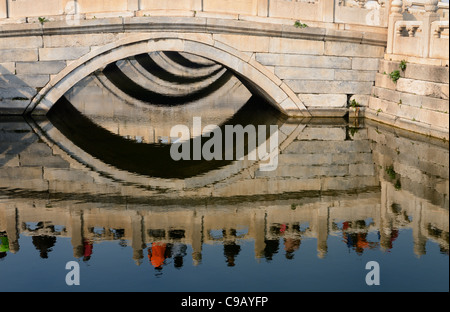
(256, 76)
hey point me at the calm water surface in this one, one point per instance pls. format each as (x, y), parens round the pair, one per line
(93, 182)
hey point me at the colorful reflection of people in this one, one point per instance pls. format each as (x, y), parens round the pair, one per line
(357, 240)
(4, 245)
(387, 241)
(290, 246)
(157, 254)
(231, 250)
(179, 251)
(88, 246)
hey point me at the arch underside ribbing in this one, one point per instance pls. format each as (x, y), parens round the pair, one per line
(256, 77)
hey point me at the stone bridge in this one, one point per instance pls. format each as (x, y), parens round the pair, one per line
(306, 58)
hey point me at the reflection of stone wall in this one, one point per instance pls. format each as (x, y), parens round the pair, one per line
(413, 194)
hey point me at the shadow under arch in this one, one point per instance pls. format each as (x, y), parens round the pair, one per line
(254, 75)
(153, 159)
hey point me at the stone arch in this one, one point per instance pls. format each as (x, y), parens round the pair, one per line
(257, 76)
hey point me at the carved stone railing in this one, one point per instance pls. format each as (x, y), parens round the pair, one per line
(355, 12)
(362, 12)
(417, 29)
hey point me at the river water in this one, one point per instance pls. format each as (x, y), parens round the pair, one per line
(92, 192)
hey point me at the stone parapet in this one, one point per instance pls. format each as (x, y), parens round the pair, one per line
(417, 101)
(370, 13)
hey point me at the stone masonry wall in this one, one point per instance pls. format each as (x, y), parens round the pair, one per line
(418, 101)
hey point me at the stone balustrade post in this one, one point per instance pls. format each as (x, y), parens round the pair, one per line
(197, 5)
(327, 7)
(396, 9)
(134, 5)
(431, 15)
(4, 9)
(263, 8)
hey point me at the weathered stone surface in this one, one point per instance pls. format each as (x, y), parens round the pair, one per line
(355, 75)
(7, 68)
(296, 46)
(361, 99)
(13, 91)
(304, 73)
(78, 40)
(420, 87)
(327, 87)
(42, 67)
(317, 61)
(12, 107)
(352, 49)
(363, 63)
(324, 100)
(409, 112)
(22, 55)
(36, 81)
(323, 134)
(21, 42)
(62, 54)
(410, 99)
(244, 43)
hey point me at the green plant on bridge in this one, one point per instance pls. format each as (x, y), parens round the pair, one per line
(395, 75)
(299, 24)
(42, 20)
(391, 172)
(354, 104)
(402, 65)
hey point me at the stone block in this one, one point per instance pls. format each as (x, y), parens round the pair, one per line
(361, 99)
(296, 46)
(324, 100)
(28, 8)
(7, 68)
(79, 40)
(21, 173)
(363, 63)
(64, 174)
(361, 169)
(355, 75)
(353, 49)
(419, 115)
(439, 74)
(87, 6)
(304, 73)
(3, 10)
(318, 147)
(244, 42)
(384, 81)
(21, 42)
(22, 55)
(16, 92)
(36, 81)
(249, 7)
(51, 161)
(426, 102)
(329, 87)
(322, 134)
(62, 54)
(426, 88)
(348, 183)
(9, 160)
(351, 158)
(316, 61)
(12, 107)
(41, 67)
